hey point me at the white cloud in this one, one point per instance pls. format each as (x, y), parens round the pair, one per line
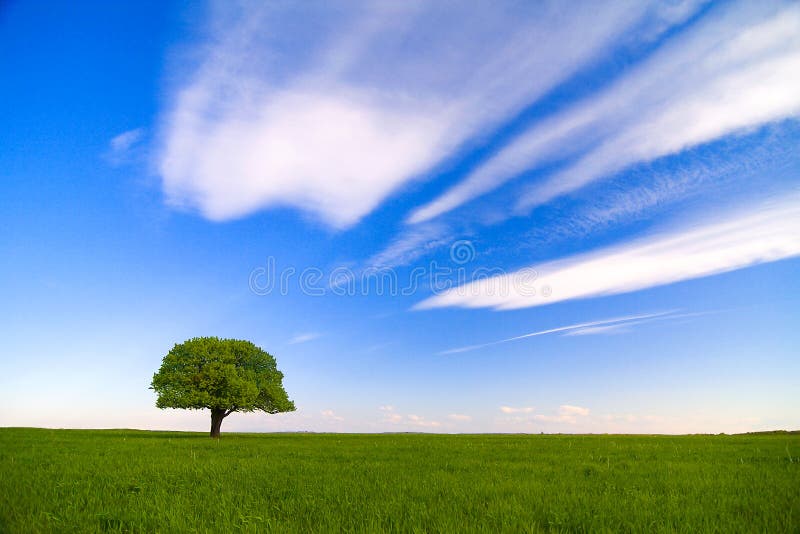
(761, 234)
(568, 329)
(566, 414)
(416, 420)
(411, 246)
(459, 417)
(618, 328)
(567, 409)
(654, 188)
(738, 68)
(410, 420)
(120, 146)
(333, 154)
(701, 420)
(390, 416)
(303, 338)
(331, 415)
(331, 109)
(125, 140)
(394, 418)
(510, 409)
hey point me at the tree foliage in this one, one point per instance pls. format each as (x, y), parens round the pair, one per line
(223, 375)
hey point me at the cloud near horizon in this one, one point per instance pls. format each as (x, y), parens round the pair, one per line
(511, 409)
(566, 414)
(390, 416)
(330, 415)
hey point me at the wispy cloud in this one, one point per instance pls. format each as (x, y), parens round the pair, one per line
(737, 68)
(566, 414)
(763, 233)
(120, 146)
(618, 328)
(511, 409)
(411, 245)
(330, 415)
(459, 417)
(567, 409)
(331, 109)
(411, 420)
(578, 327)
(303, 338)
(627, 326)
(581, 420)
(750, 79)
(650, 190)
(417, 420)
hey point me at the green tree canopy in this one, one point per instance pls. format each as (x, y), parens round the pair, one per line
(223, 375)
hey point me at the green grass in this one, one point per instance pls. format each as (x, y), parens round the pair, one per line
(127, 480)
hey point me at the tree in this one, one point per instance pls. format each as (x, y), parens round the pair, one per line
(223, 375)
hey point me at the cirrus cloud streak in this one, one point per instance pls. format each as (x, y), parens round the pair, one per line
(332, 108)
(738, 68)
(764, 233)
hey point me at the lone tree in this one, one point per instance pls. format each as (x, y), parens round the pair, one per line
(223, 375)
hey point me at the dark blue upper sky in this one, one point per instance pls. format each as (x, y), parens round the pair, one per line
(494, 217)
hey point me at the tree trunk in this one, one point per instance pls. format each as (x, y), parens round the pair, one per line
(217, 415)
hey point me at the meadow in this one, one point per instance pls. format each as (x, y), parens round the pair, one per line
(138, 481)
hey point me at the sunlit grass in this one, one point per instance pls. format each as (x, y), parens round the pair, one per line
(83, 481)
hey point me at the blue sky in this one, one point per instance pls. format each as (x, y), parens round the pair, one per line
(509, 217)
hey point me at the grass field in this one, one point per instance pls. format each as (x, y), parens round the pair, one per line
(127, 480)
